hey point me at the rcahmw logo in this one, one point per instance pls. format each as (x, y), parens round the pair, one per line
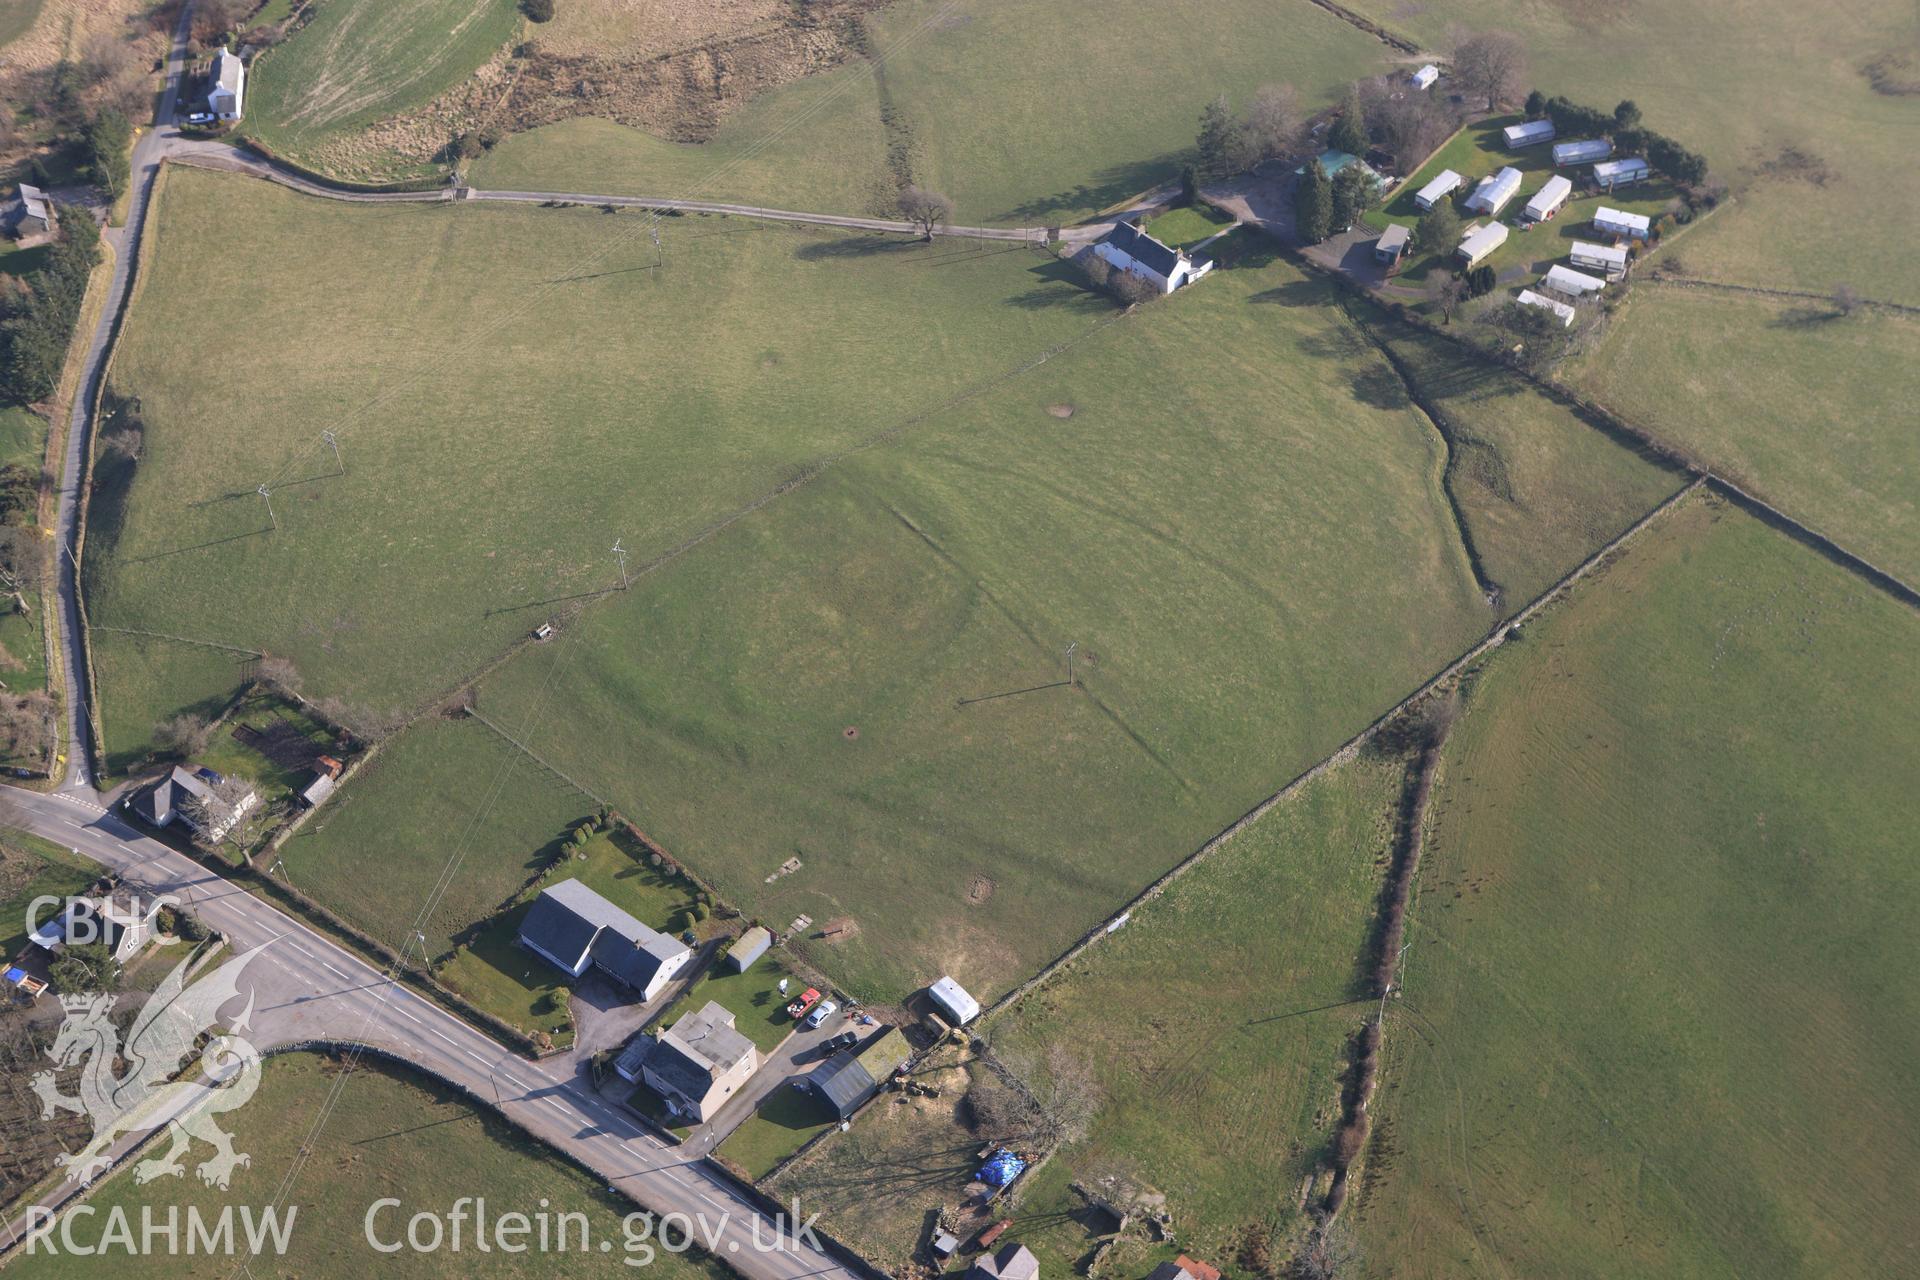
(84, 1231)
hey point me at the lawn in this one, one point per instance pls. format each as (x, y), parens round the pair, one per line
(515, 985)
(753, 997)
(604, 400)
(1479, 150)
(30, 867)
(1205, 1039)
(1014, 110)
(447, 820)
(358, 61)
(786, 1120)
(1186, 227)
(298, 739)
(1813, 411)
(397, 1136)
(1661, 1011)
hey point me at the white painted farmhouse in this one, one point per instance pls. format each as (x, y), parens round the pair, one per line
(227, 85)
(1129, 248)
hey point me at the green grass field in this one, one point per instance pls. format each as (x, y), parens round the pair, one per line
(1184, 228)
(30, 867)
(1660, 1013)
(145, 681)
(1023, 114)
(1812, 410)
(787, 1120)
(16, 18)
(394, 1135)
(358, 61)
(618, 402)
(446, 798)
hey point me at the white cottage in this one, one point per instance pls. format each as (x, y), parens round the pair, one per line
(227, 85)
(1129, 248)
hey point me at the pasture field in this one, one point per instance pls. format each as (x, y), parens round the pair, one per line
(1812, 410)
(1023, 114)
(16, 18)
(1479, 150)
(1540, 489)
(357, 61)
(1660, 1011)
(1775, 94)
(447, 797)
(398, 1135)
(145, 681)
(1205, 1039)
(1226, 502)
(514, 389)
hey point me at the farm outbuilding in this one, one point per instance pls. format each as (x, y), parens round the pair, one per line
(1391, 244)
(1572, 284)
(1549, 198)
(747, 948)
(1480, 242)
(1530, 134)
(1528, 298)
(1616, 222)
(1607, 259)
(1444, 184)
(1619, 173)
(1585, 151)
(955, 1005)
(29, 213)
(1494, 191)
(1424, 78)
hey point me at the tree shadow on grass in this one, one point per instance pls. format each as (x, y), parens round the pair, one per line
(1294, 293)
(1108, 187)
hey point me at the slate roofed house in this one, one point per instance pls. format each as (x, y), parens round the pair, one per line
(1481, 241)
(189, 796)
(1184, 1268)
(1548, 200)
(227, 85)
(698, 1063)
(1128, 248)
(1494, 191)
(1615, 222)
(1424, 77)
(1609, 260)
(1444, 184)
(122, 921)
(747, 948)
(1620, 173)
(1585, 151)
(574, 927)
(29, 213)
(849, 1078)
(1531, 133)
(1009, 1262)
(954, 1003)
(1528, 298)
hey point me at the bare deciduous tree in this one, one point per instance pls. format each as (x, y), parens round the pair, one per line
(1846, 300)
(184, 735)
(1491, 65)
(280, 673)
(925, 209)
(1328, 1253)
(1272, 125)
(1446, 291)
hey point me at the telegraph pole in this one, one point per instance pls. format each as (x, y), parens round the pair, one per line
(333, 442)
(620, 553)
(269, 497)
(653, 229)
(1070, 649)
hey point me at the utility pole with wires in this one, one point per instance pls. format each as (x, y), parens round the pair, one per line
(333, 443)
(653, 229)
(620, 554)
(264, 493)
(1070, 649)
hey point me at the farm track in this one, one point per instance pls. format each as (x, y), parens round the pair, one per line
(1791, 295)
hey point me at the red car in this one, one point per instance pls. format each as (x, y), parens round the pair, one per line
(806, 1001)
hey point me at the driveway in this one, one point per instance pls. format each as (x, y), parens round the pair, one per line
(797, 1055)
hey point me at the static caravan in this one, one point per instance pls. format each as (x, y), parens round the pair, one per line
(1572, 284)
(1584, 152)
(1494, 191)
(1424, 77)
(1548, 200)
(1530, 134)
(1609, 174)
(1613, 222)
(1607, 259)
(1391, 244)
(1480, 242)
(1441, 187)
(1528, 298)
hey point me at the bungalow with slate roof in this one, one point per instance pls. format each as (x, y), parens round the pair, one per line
(848, 1079)
(696, 1064)
(227, 85)
(574, 928)
(1128, 248)
(30, 213)
(188, 796)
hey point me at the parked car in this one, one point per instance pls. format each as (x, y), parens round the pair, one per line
(818, 1017)
(804, 1003)
(199, 117)
(845, 1040)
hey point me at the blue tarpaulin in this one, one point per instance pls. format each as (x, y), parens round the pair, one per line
(1002, 1168)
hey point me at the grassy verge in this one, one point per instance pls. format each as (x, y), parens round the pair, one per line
(1693, 770)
